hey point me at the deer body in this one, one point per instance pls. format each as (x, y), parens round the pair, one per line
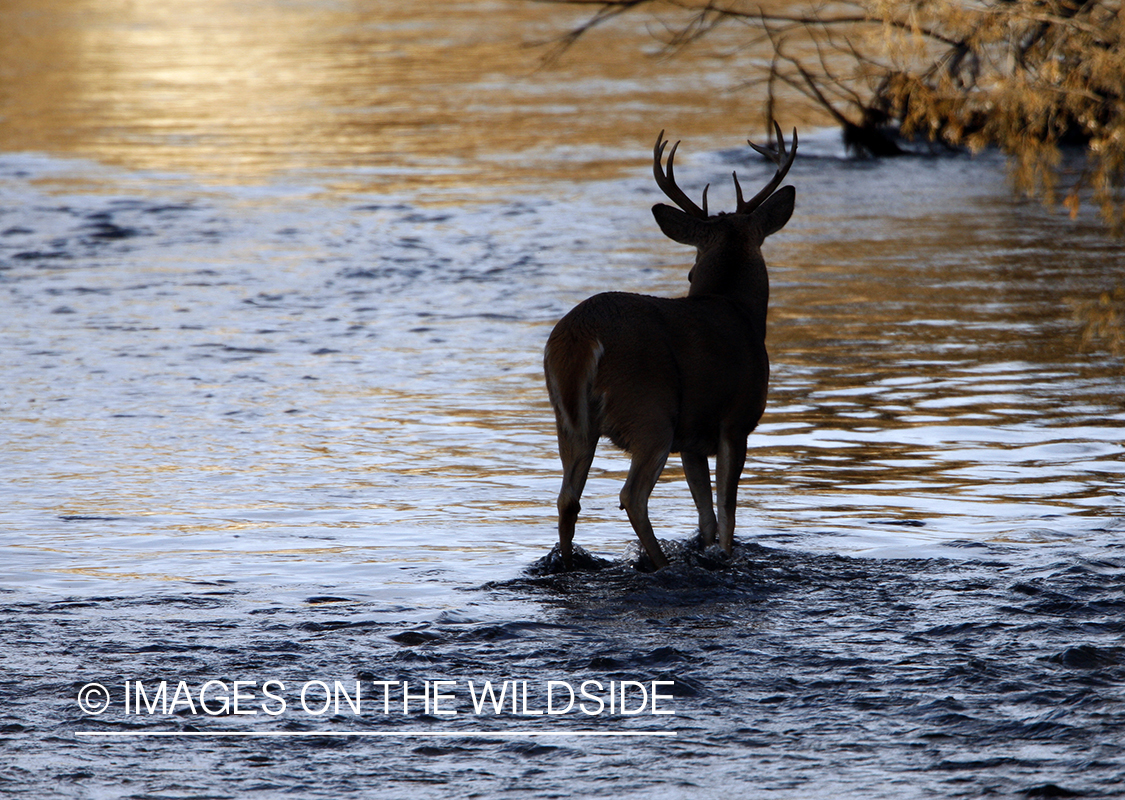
(672, 375)
(680, 365)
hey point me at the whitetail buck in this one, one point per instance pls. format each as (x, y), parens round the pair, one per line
(684, 375)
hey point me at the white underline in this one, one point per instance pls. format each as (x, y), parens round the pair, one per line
(386, 734)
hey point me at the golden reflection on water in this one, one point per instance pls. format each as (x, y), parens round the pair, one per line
(401, 97)
(879, 315)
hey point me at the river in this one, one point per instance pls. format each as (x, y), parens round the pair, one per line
(275, 282)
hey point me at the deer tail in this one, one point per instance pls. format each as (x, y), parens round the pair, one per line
(571, 363)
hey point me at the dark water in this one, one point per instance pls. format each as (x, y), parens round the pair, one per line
(286, 424)
(795, 675)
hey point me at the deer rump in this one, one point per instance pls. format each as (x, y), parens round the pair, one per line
(675, 374)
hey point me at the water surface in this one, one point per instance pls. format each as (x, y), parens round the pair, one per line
(273, 408)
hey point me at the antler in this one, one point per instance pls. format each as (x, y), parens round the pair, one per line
(774, 156)
(667, 181)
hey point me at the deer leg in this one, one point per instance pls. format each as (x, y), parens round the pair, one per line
(728, 469)
(577, 454)
(643, 472)
(699, 481)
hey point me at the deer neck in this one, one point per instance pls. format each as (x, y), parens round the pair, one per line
(734, 273)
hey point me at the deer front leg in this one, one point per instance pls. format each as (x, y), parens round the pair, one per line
(728, 469)
(643, 473)
(699, 481)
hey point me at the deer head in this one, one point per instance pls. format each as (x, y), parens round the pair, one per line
(728, 258)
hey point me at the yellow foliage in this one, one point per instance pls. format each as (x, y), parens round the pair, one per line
(1023, 75)
(1027, 76)
(1103, 320)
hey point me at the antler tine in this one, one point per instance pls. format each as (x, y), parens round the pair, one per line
(667, 180)
(782, 169)
(772, 155)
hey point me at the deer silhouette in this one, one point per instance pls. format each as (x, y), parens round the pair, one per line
(685, 375)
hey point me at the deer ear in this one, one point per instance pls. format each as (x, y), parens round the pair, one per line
(677, 225)
(772, 214)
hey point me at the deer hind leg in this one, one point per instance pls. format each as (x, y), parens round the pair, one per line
(576, 449)
(699, 481)
(643, 473)
(728, 469)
